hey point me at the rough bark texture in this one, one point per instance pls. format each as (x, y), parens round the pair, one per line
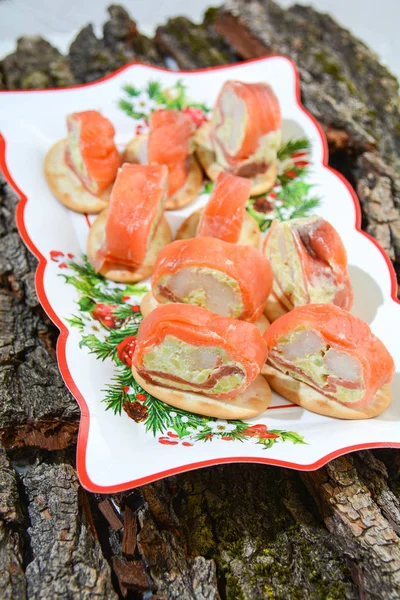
(230, 532)
(66, 559)
(92, 58)
(12, 577)
(36, 408)
(35, 64)
(194, 46)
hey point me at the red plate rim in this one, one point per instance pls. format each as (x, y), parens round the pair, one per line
(62, 339)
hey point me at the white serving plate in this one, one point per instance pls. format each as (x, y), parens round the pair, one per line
(114, 452)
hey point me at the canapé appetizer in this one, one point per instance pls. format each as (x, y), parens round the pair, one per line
(243, 136)
(228, 279)
(225, 216)
(328, 361)
(81, 169)
(125, 239)
(170, 142)
(201, 362)
(309, 263)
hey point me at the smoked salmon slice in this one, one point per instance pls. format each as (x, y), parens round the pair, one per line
(136, 207)
(189, 348)
(90, 150)
(228, 279)
(224, 214)
(243, 126)
(170, 143)
(309, 263)
(332, 351)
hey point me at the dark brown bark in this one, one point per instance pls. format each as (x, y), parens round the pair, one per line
(35, 406)
(235, 531)
(92, 58)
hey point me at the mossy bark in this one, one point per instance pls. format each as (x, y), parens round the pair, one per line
(234, 531)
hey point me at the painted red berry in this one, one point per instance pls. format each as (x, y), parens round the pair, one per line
(266, 435)
(125, 298)
(226, 438)
(126, 388)
(255, 430)
(63, 266)
(186, 444)
(171, 434)
(141, 397)
(55, 255)
(135, 308)
(196, 114)
(302, 163)
(125, 350)
(70, 255)
(291, 174)
(104, 314)
(167, 442)
(299, 154)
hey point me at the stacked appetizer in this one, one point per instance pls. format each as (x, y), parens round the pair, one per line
(205, 343)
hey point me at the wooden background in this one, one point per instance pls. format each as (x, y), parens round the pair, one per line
(235, 531)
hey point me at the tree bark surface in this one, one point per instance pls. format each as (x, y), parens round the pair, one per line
(233, 531)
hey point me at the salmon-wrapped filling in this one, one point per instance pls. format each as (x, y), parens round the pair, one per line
(224, 214)
(170, 143)
(330, 350)
(228, 279)
(90, 150)
(189, 348)
(136, 207)
(309, 263)
(246, 128)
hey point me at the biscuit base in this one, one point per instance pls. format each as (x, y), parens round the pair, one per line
(162, 236)
(249, 235)
(66, 185)
(307, 397)
(250, 403)
(260, 183)
(149, 303)
(190, 189)
(273, 308)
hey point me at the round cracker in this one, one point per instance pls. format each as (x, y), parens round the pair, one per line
(66, 185)
(135, 150)
(260, 183)
(134, 153)
(149, 303)
(273, 308)
(249, 236)
(252, 402)
(262, 324)
(307, 397)
(188, 228)
(162, 236)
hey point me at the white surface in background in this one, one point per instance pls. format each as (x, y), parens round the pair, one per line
(376, 23)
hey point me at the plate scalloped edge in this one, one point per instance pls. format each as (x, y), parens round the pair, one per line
(62, 339)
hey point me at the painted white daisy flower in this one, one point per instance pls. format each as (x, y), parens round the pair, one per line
(171, 93)
(143, 104)
(221, 426)
(93, 327)
(184, 419)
